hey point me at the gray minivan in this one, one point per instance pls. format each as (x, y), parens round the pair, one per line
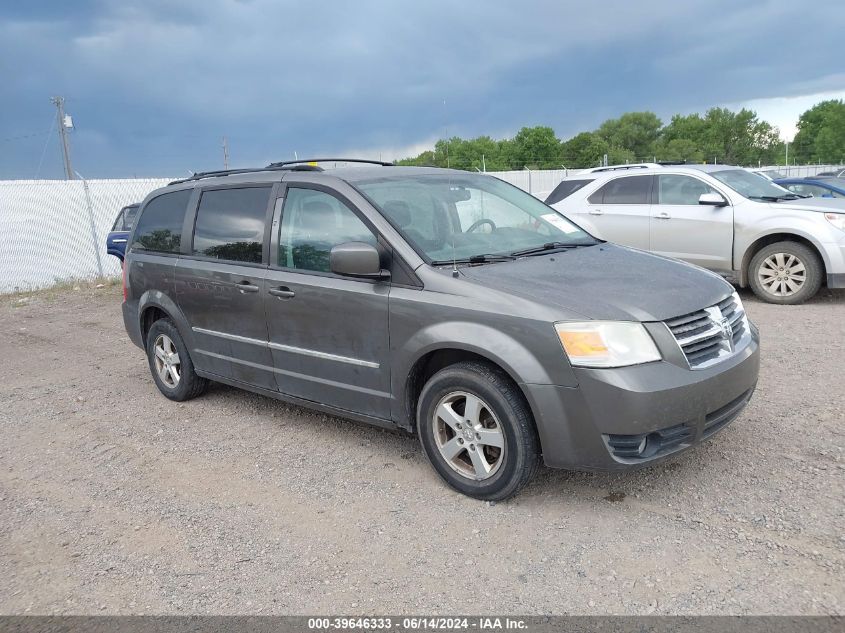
(439, 302)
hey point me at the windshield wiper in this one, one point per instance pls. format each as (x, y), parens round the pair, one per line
(548, 246)
(484, 258)
(790, 196)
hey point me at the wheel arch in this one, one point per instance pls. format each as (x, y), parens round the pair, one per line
(155, 305)
(432, 361)
(771, 238)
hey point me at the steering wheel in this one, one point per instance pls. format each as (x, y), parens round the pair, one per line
(480, 222)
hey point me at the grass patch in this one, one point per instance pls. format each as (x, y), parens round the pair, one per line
(20, 298)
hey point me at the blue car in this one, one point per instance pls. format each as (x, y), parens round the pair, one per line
(116, 240)
(817, 186)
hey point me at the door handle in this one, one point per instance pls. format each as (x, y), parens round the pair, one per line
(245, 286)
(596, 212)
(119, 241)
(282, 292)
(663, 216)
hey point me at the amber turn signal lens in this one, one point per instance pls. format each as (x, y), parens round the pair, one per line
(583, 343)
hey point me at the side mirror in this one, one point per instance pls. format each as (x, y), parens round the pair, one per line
(357, 259)
(712, 199)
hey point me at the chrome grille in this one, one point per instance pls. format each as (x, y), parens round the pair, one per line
(710, 335)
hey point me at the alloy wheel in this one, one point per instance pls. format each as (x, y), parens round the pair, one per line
(468, 435)
(782, 274)
(167, 362)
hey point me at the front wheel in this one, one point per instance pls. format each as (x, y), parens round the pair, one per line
(477, 431)
(785, 272)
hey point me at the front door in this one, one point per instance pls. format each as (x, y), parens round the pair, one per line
(220, 286)
(328, 334)
(682, 228)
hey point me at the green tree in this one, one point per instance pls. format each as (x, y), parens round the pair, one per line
(821, 133)
(586, 149)
(536, 148)
(739, 138)
(633, 131)
(679, 150)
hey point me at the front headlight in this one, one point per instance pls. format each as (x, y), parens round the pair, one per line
(836, 219)
(606, 343)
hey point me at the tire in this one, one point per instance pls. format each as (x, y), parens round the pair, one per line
(786, 272)
(176, 380)
(500, 454)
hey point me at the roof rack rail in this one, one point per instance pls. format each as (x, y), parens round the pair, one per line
(596, 170)
(330, 160)
(248, 170)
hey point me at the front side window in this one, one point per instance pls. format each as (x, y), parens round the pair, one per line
(672, 189)
(625, 190)
(230, 224)
(160, 225)
(118, 222)
(464, 215)
(314, 222)
(129, 214)
(125, 219)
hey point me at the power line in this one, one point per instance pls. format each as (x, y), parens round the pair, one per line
(22, 136)
(44, 151)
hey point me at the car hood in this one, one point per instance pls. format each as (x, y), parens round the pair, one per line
(819, 205)
(606, 282)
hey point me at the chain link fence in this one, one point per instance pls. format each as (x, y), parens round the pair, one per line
(55, 230)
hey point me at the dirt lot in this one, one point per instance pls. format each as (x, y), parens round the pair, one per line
(116, 500)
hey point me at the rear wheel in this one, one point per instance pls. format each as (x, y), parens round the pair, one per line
(477, 431)
(786, 273)
(170, 363)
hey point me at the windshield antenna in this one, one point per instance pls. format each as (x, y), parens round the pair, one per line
(454, 256)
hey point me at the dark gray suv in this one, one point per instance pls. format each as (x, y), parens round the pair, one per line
(439, 302)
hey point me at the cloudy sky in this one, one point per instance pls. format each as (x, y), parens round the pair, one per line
(154, 85)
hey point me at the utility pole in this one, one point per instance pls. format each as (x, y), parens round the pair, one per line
(225, 153)
(63, 120)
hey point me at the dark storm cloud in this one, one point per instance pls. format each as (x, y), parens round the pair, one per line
(154, 85)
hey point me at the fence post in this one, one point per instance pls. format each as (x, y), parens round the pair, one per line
(90, 206)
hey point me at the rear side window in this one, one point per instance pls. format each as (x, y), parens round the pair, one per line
(626, 190)
(230, 224)
(812, 190)
(565, 189)
(160, 225)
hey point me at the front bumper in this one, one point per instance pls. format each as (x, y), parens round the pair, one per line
(836, 280)
(658, 409)
(834, 261)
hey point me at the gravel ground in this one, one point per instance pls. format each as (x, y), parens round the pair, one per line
(116, 500)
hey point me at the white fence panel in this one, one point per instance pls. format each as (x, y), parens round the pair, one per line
(46, 232)
(534, 181)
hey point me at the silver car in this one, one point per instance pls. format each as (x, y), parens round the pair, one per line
(720, 217)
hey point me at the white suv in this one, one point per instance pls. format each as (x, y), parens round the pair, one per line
(723, 218)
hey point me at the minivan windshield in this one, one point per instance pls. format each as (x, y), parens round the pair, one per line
(751, 185)
(474, 217)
